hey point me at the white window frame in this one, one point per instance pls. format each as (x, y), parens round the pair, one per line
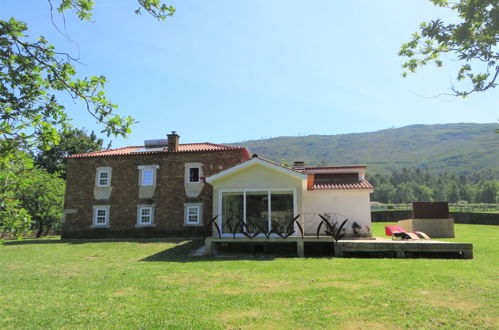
(244, 191)
(96, 209)
(139, 215)
(199, 213)
(99, 171)
(188, 167)
(153, 169)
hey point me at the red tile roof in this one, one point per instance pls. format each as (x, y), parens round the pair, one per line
(334, 169)
(352, 185)
(137, 150)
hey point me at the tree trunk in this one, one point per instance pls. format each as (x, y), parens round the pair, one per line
(40, 229)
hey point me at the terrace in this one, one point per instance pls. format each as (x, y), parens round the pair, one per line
(291, 239)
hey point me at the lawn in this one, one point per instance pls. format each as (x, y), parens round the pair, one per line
(154, 284)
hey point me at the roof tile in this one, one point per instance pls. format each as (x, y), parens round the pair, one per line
(190, 147)
(352, 185)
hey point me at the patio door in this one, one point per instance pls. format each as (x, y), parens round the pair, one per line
(233, 212)
(257, 211)
(260, 210)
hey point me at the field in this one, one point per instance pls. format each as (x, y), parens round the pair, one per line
(154, 284)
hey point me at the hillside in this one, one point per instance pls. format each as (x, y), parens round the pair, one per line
(454, 148)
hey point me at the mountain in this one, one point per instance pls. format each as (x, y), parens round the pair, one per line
(454, 148)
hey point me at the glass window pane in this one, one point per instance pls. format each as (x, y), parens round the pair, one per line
(232, 211)
(193, 214)
(103, 178)
(193, 174)
(100, 216)
(257, 211)
(281, 209)
(147, 177)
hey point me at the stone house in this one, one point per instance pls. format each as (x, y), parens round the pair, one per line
(155, 190)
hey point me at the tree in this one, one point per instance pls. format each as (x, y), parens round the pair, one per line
(423, 193)
(473, 41)
(73, 141)
(42, 195)
(486, 192)
(452, 192)
(14, 220)
(33, 74)
(382, 192)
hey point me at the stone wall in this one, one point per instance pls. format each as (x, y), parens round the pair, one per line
(168, 197)
(459, 217)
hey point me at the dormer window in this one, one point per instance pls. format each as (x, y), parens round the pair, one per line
(103, 177)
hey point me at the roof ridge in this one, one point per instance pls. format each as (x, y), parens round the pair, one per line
(339, 166)
(140, 150)
(105, 150)
(275, 163)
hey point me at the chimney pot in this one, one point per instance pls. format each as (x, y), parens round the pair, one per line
(173, 141)
(298, 165)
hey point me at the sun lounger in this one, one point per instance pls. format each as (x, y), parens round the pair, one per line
(399, 232)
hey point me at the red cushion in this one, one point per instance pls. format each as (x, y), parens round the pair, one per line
(389, 230)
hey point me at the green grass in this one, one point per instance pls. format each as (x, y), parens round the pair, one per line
(154, 284)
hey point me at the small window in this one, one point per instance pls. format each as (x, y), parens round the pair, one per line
(147, 177)
(103, 177)
(101, 215)
(194, 174)
(145, 215)
(192, 215)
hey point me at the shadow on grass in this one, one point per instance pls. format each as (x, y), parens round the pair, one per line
(87, 241)
(180, 253)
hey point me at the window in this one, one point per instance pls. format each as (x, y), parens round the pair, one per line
(145, 215)
(258, 209)
(193, 214)
(147, 175)
(194, 174)
(233, 211)
(101, 216)
(103, 177)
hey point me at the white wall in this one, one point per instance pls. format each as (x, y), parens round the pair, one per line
(258, 176)
(351, 204)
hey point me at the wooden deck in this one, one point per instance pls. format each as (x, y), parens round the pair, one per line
(375, 247)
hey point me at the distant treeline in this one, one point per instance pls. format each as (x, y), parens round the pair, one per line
(409, 185)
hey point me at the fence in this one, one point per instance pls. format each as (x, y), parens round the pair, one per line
(459, 217)
(453, 207)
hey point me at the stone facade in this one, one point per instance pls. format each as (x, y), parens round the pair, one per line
(169, 195)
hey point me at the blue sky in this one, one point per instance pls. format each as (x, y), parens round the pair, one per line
(227, 71)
